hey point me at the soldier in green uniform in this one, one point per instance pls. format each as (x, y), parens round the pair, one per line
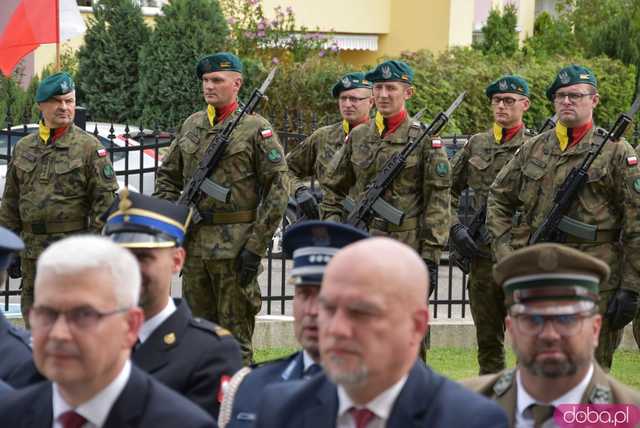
(421, 190)
(608, 202)
(552, 300)
(59, 181)
(475, 167)
(311, 157)
(224, 250)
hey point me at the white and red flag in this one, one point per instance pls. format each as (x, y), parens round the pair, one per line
(36, 22)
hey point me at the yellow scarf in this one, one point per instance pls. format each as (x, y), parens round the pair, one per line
(497, 133)
(345, 127)
(44, 132)
(563, 136)
(211, 114)
(379, 123)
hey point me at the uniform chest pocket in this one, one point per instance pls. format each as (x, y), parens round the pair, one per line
(25, 164)
(70, 178)
(362, 159)
(189, 143)
(594, 194)
(478, 163)
(532, 174)
(237, 162)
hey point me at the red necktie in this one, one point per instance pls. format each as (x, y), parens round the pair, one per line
(71, 419)
(361, 417)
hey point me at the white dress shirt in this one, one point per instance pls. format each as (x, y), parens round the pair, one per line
(307, 361)
(381, 406)
(155, 321)
(524, 418)
(96, 410)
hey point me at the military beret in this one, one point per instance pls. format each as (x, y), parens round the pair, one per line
(56, 84)
(312, 244)
(572, 75)
(350, 81)
(221, 61)
(550, 272)
(10, 244)
(141, 221)
(389, 71)
(510, 84)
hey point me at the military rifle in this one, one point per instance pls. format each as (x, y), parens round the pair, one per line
(556, 224)
(199, 181)
(372, 202)
(550, 123)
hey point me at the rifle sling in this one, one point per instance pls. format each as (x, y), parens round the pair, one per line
(385, 226)
(210, 218)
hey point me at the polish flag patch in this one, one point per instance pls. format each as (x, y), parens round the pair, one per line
(632, 161)
(436, 144)
(102, 152)
(224, 384)
(266, 133)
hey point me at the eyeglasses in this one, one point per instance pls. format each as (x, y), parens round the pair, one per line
(507, 101)
(352, 100)
(574, 97)
(564, 325)
(80, 318)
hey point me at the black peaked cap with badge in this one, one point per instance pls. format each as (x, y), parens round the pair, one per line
(312, 244)
(140, 221)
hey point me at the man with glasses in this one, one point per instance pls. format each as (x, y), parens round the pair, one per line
(154, 230)
(607, 204)
(475, 167)
(552, 302)
(84, 321)
(311, 157)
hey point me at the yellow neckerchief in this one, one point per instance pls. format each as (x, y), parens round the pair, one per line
(379, 123)
(346, 127)
(497, 133)
(562, 132)
(44, 131)
(211, 114)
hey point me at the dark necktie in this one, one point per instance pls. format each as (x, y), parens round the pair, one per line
(361, 417)
(71, 419)
(313, 369)
(541, 413)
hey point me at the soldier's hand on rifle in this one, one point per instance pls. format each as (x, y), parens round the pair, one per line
(14, 269)
(622, 308)
(247, 264)
(463, 241)
(307, 203)
(433, 275)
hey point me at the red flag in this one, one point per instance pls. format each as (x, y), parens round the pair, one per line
(33, 23)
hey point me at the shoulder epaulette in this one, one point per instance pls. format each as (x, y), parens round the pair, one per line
(504, 382)
(274, 361)
(209, 327)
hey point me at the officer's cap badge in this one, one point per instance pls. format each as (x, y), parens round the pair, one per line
(169, 338)
(386, 72)
(346, 82)
(564, 77)
(503, 85)
(125, 202)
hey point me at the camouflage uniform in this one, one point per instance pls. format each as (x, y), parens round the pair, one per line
(254, 169)
(609, 200)
(475, 167)
(421, 190)
(311, 157)
(52, 191)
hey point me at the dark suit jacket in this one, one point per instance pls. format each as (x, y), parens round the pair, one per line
(143, 403)
(190, 355)
(426, 400)
(247, 396)
(16, 364)
(5, 387)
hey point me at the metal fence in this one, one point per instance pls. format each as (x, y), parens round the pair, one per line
(136, 154)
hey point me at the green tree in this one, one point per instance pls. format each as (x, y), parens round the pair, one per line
(169, 88)
(499, 35)
(551, 36)
(108, 72)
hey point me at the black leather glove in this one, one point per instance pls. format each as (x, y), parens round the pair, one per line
(622, 308)
(14, 270)
(433, 276)
(307, 203)
(463, 241)
(248, 264)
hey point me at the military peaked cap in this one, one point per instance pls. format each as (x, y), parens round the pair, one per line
(56, 84)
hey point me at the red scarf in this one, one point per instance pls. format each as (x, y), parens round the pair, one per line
(393, 122)
(223, 112)
(576, 134)
(508, 134)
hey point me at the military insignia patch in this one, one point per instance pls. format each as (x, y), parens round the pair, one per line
(107, 171)
(503, 85)
(169, 338)
(266, 133)
(504, 382)
(600, 395)
(636, 185)
(584, 76)
(442, 168)
(224, 385)
(632, 161)
(225, 64)
(274, 156)
(221, 331)
(102, 152)
(346, 82)
(436, 144)
(404, 77)
(64, 87)
(386, 72)
(564, 77)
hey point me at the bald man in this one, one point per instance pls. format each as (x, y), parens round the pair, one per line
(372, 318)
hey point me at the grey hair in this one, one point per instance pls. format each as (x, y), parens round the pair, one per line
(80, 253)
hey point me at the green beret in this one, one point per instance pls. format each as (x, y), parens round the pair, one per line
(509, 84)
(56, 84)
(350, 81)
(390, 71)
(550, 272)
(572, 75)
(221, 61)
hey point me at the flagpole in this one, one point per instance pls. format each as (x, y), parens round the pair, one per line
(57, 35)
